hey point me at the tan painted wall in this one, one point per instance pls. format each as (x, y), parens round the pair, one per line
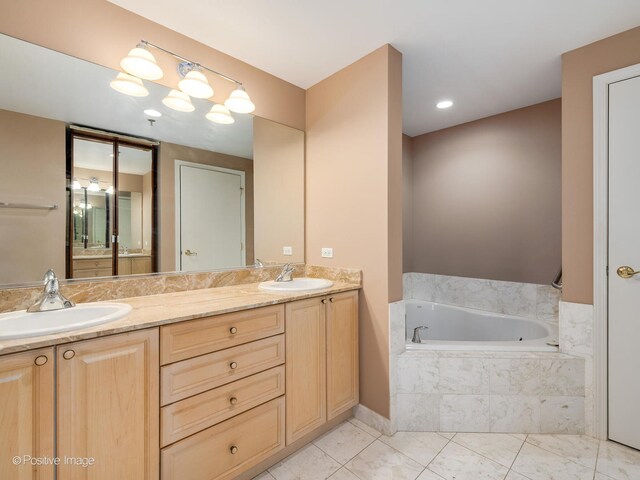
(353, 155)
(407, 203)
(102, 32)
(486, 197)
(278, 171)
(169, 153)
(31, 241)
(578, 69)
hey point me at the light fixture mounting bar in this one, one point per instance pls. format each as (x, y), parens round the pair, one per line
(184, 59)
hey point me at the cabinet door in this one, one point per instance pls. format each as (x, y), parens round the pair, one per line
(305, 383)
(26, 414)
(108, 407)
(342, 353)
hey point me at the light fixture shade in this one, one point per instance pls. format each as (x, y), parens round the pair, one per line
(239, 101)
(110, 190)
(178, 101)
(94, 186)
(195, 84)
(141, 63)
(129, 85)
(76, 184)
(220, 114)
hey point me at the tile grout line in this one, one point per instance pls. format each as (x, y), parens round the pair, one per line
(562, 456)
(449, 440)
(595, 467)
(482, 454)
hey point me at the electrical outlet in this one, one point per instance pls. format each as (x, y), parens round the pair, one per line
(288, 251)
(327, 252)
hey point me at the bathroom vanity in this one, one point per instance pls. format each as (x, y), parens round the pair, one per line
(204, 384)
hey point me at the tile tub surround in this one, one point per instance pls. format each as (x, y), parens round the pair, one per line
(520, 299)
(154, 310)
(352, 451)
(522, 392)
(82, 291)
(576, 338)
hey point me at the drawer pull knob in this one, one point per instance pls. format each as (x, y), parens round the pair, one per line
(41, 360)
(233, 365)
(233, 400)
(324, 300)
(68, 355)
(233, 450)
(332, 299)
(233, 330)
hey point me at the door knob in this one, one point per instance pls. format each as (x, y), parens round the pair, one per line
(189, 253)
(626, 272)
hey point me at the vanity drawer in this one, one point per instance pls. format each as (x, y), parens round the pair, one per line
(231, 447)
(205, 335)
(90, 264)
(196, 375)
(196, 413)
(93, 273)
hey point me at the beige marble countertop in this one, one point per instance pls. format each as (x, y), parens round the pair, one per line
(162, 309)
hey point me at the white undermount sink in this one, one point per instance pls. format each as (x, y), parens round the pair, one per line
(23, 324)
(302, 284)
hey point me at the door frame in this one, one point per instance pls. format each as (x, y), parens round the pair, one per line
(178, 211)
(601, 242)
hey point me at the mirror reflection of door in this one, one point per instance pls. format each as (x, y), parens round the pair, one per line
(111, 217)
(210, 223)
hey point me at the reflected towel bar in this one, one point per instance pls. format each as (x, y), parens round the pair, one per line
(28, 206)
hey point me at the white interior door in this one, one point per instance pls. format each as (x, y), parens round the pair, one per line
(624, 250)
(210, 217)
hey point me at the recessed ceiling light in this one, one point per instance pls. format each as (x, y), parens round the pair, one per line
(444, 104)
(152, 113)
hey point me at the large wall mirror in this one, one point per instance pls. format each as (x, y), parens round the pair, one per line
(95, 183)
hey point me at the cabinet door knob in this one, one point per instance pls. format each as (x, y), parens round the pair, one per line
(41, 360)
(233, 365)
(332, 299)
(233, 450)
(233, 400)
(324, 300)
(233, 330)
(69, 354)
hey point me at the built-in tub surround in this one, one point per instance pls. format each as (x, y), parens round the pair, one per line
(117, 288)
(527, 300)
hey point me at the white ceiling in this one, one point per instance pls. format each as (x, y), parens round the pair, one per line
(49, 84)
(488, 56)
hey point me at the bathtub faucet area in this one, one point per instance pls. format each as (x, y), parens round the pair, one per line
(416, 333)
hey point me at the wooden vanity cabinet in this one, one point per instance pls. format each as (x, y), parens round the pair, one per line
(108, 406)
(322, 361)
(27, 413)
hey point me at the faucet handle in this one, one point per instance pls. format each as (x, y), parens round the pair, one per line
(50, 275)
(52, 287)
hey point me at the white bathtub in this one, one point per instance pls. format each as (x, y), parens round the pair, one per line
(459, 328)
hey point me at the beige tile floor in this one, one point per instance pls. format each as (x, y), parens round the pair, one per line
(354, 451)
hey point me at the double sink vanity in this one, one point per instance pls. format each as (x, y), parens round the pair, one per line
(216, 383)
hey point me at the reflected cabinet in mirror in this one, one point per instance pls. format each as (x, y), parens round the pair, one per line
(96, 183)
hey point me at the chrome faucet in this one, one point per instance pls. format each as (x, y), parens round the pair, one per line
(258, 263)
(416, 334)
(286, 275)
(51, 298)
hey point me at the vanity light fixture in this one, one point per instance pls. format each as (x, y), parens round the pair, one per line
(239, 101)
(220, 114)
(94, 186)
(85, 207)
(195, 84)
(129, 85)
(141, 63)
(110, 190)
(179, 101)
(444, 104)
(75, 185)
